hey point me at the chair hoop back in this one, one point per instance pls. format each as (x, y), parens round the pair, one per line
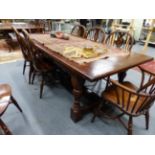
(120, 39)
(23, 44)
(96, 34)
(79, 30)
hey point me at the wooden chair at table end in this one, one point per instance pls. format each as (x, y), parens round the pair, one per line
(96, 34)
(79, 31)
(120, 39)
(6, 99)
(129, 99)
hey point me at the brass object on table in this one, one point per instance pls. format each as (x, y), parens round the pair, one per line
(86, 52)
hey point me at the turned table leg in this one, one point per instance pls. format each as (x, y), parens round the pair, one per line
(76, 111)
(121, 76)
(130, 124)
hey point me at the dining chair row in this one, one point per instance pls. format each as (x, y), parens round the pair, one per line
(119, 39)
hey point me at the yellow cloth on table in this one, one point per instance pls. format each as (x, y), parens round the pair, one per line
(76, 52)
(72, 52)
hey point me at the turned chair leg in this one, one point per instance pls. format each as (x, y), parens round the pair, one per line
(5, 128)
(16, 104)
(130, 122)
(24, 67)
(42, 86)
(147, 116)
(94, 116)
(33, 77)
(96, 112)
(30, 73)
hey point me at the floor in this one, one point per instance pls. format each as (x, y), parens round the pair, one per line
(51, 115)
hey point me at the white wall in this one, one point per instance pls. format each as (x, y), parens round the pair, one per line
(138, 23)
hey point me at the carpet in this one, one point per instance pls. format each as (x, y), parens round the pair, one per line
(51, 114)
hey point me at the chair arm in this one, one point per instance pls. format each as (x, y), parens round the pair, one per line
(144, 84)
(117, 84)
(129, 90)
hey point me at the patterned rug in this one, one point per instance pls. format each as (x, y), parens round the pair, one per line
(9, 52)
(10, 57)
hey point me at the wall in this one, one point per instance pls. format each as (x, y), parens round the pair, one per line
(138, 23)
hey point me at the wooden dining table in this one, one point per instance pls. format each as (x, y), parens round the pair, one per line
(112, 62)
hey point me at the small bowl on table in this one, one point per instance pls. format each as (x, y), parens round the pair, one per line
(61, 35)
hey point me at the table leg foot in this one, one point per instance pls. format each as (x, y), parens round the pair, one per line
(76, 115)
(76, 110)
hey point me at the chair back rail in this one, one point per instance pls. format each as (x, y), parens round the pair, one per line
(96, 34)
(79, 30)
(120, 39)
(131, 101)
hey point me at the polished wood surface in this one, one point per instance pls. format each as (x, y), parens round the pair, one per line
(120, 39)
(92, 71)
(96, 34)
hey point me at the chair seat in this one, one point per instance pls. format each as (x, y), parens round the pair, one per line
(43, 66)
(111, 96)
(5, 90)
